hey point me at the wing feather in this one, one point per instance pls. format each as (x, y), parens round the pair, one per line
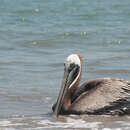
(98, 94)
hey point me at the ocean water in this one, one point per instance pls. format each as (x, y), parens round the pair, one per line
(35, 38)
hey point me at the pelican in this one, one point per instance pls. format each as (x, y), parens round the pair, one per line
(101, 96)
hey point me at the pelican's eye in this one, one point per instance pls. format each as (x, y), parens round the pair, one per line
(71, 67)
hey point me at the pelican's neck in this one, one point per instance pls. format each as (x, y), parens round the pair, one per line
(76, 82)
(73, 87)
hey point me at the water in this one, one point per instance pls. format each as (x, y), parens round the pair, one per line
(35, 38)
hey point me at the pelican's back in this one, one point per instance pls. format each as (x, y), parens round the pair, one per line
(102, 96)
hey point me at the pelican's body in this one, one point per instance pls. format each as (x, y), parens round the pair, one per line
(99, 96)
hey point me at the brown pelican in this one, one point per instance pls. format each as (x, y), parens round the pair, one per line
(100, 96)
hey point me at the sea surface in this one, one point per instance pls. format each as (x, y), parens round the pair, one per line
(36, 36)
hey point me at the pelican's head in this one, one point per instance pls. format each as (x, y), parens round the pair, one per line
(72, 70)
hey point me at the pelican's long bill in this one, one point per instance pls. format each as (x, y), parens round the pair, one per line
(70, 75)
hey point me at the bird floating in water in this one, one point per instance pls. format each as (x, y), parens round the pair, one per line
(97, 97)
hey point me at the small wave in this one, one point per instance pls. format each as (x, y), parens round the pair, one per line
(70, 123)
(63, 122)
(111, 129)
(6, 123)
(112, 71)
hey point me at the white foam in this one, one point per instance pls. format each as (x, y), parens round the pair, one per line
(106, 129)
(123, 123)
(80, 123)
(70, 123)
(112, 129)
(6, 123)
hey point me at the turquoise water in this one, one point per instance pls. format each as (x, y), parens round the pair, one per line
(35, 38)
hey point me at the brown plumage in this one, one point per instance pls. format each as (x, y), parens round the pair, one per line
(99, 96)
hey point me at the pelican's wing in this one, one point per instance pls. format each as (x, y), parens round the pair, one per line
(100, 95)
